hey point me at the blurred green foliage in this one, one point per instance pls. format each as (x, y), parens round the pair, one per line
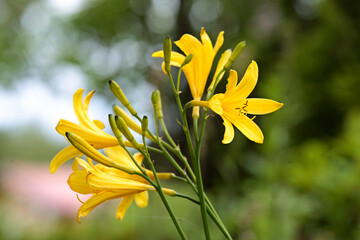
(302, 183)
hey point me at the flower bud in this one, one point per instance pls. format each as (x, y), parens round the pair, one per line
(84, 147)
(116, 90)
(115, 130)
(120, 123)
(167, 53)
(129, 121)
(144, 125)
(187, 59)
(156, 101)
(238, 49)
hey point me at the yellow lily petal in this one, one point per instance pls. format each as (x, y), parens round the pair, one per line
(87, 99)
(92, 153)
(205, 39)
(86, 166)
(219, 42)
(176, 58)
(119, 155)
(207, 44)
(232, 81)
(123, 206)
(139, 158)
(94, 201)
(189, 44)
(77, 182)
(101, 181)
(80, 109)
(248, 82)
(89, 135)
(62, 156)
(247, 127)
(222, 61)
(229, 131)
(259, 106)
(99, 124)
(215, 103)
(141, 199)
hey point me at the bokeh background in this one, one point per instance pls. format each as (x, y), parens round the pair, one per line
(303, 183)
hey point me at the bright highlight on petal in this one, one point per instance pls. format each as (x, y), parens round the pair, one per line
(234, 106)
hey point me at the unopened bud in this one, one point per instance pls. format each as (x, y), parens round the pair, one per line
(115, 130)
(234, 55)
(169, 192)
(116, 90)
(144, 125)
(129, 121)
(167, 53)
(187, 59)
(84, 147)
(120, 123)
(156, 101)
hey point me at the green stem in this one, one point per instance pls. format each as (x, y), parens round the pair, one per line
(178, 80)
(154, 149)
(200, 188)
(196, 133)
(167, 133)
(163, 197)
(186, 197)
(210, 209)
(184, 120)
(175, 151)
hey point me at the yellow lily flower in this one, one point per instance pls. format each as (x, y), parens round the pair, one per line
(106, 183)
(197, 71)
(90, 131)
(233, 105)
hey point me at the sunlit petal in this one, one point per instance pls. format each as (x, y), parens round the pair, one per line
(123, 206)
(176, 58)
(219, 42)
(258, 106)
(138, 158)
(247, 127)
(102, 181)
(215, 103)
(222, 61)
(99, 124)
(248, 82)
(229, 131)
(208, 47)
(119, 155)
(95, 201)
(77, 182)
(141, 199)
(62, 156)
(80, 109)
(189, 44)
(232, 81)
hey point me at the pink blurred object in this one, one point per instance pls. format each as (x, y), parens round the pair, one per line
(33, 185)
